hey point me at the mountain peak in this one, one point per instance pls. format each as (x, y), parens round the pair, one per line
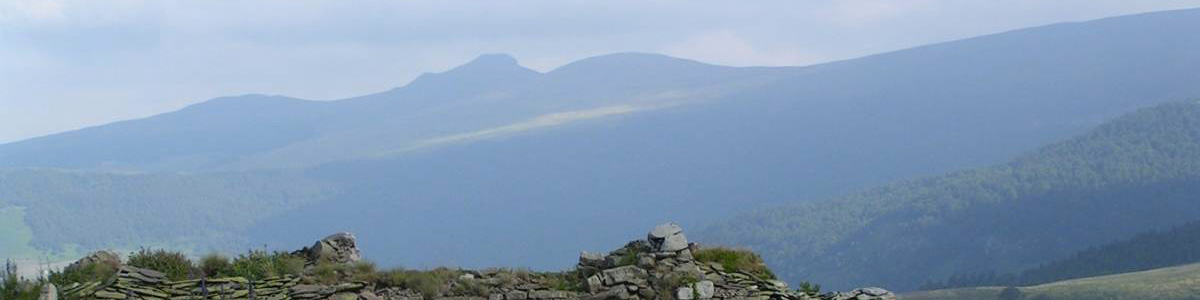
(493, 60)
(631, 61)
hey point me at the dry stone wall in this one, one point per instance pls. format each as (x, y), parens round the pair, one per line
(662, 266)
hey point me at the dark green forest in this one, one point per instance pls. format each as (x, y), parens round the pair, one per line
(1146, 251)
(100, 210)
(1136, 173)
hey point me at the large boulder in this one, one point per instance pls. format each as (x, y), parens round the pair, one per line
(103, 258)
(339, 248)
(667, 238)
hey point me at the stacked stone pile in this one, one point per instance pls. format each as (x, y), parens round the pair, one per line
(662, 266)
(663, 263)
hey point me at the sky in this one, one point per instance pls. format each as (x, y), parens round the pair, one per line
(68, 64)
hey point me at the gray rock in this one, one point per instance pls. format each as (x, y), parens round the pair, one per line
(664, 230)
(685, 293)
(626, 274)
(516, 295)
(705, 289)
(667, 237)
(548, 294)
(874, 291)
(107, 258)
(594, 284)
(49, 292)
(592, 259)
(368, 295)
(337, 248)
(674, 242)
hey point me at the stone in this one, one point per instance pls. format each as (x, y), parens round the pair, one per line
(592, 259)
(109, 295)
(594, 284)
(467, 276)
(874, 291)
(674, 243)
(516, 295)
(337, 248)
(368, 295)
(705, 289)
(496, 296)
(646, 261)
(663, 231)
(684, 255)
(626, 274)
(49, 292)
(685, 293)
(548, 294)
(667, 238)
(107, 258)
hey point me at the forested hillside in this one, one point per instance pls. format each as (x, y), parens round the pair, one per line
(97, 211)
(1136, 173)
(1149, 250)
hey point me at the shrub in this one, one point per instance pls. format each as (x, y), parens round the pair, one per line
(666, 286)
(810, 288)
(735, 259)
(84, 273)
(429, 283)
(174, 264)
(216, 265)
(258, 264)
(12, 287)
(564, 281)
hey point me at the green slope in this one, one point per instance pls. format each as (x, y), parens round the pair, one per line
(103, 210)
(15, 236)
(1150, 250)
(1135, 173)
(1173, 283)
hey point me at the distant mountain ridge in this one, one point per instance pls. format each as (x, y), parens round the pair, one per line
(603, 145)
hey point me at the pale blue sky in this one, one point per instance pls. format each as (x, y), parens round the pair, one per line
(66, 64)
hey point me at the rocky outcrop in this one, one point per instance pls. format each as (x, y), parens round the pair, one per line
(871, 293)
(337, 248)
(662, 266)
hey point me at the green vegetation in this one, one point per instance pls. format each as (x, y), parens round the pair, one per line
(215, 265)
(735, 259)
(99, 271)
(13, 288)
(174, 264)
(1174, 283)
(1135, 173)
(15, 235)
(259, 264)
(666, 286)
(428, 283)
(1149, 250)
(121, 210)
(809, 288)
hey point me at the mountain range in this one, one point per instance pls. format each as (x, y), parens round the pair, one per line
(605, 145)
